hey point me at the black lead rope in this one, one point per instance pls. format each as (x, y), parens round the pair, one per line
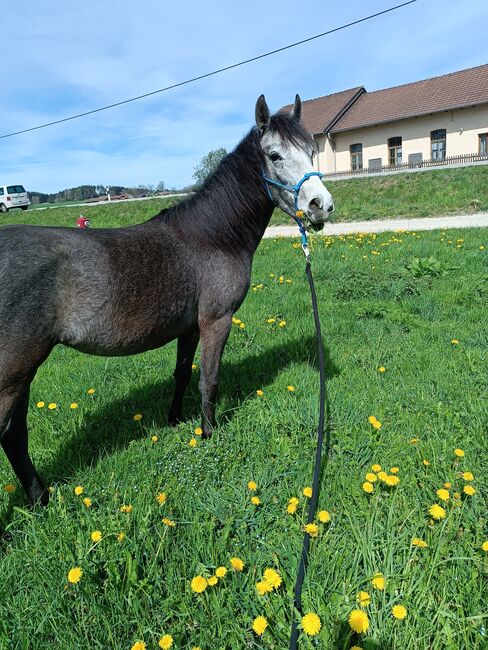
(318, 457)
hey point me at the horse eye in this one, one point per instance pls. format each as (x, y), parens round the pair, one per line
(275, 157)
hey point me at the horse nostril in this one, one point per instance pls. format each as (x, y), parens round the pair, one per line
(315, 204)
(330, 208)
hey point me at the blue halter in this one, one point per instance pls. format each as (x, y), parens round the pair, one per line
(296, 190)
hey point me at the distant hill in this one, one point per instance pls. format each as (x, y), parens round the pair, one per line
(86, 192)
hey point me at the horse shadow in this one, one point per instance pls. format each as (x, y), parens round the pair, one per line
(96, 437)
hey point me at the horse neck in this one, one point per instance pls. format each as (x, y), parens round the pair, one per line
(232, 209)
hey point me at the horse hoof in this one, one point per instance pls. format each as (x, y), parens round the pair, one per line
(174, 420)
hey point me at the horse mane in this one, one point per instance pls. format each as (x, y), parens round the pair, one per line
(231, 210)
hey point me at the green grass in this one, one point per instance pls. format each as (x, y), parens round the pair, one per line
(422, 194)
(399, 309)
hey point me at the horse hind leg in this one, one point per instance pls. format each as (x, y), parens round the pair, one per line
(15, 444)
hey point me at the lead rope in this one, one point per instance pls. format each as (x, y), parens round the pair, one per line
(312, 509)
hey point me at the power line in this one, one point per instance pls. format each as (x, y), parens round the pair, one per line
(210, 74)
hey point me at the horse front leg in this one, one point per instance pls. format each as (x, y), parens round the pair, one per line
(187, 345)
(213, 334)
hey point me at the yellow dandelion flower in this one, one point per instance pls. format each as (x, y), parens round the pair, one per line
(467, 476)
(311, 529)
(9, 488)
(165, 642)
(87, 502)
(236, 563)
(443, 494)
(220, 572)
(291, 388)
(212, 581)
(96, 536)
(392, 480)
(368, 487)
(236, 321)
(139, 645)
(121, 536)
(91, 391)
(382, 476)
(198, 431)
(127, 508)
(311, 624)
(73, 405)
(469, 490)
(78, 490)
(459, 453)
(455, 341)
(416, 541)
(282, 323)
(378, 581)
(359, 621)
(256, 501)
(52, 406)
(271, 320)
(196, 647)
(40, 405)
(263, 587)
(484, 546)
(371, 477)
(447, 485)
(198, 584)
(193, 442)
(161, 498)
(437, 512)
(273, 578)
(399, 612)
(194, 366)
(307, 492)
(425, 462)
(74, 575)
(394, 470)
(376, 468)
(259, 392)
(363, 598)
(252, 485)
(356, 647)
(324, 516)
(457, 495)
(259, 625)
(137, 417)
(154, 438)
(381, 369)
(168, 522)
(414, 441)
(291, 508)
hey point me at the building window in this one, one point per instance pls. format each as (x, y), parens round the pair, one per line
(395, 151)
(438, 144)
(356, 156)
(483, 143)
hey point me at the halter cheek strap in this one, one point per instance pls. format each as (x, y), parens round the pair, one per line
(296, 190)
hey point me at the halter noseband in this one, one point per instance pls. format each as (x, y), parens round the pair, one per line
(296, 190)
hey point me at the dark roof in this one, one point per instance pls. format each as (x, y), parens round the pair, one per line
(450, 91)
(320, 113)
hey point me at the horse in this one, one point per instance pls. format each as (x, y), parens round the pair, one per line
(180, 275)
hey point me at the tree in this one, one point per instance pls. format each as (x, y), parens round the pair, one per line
(208, 165)
(160, 187)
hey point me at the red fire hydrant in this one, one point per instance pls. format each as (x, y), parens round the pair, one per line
(83, 222)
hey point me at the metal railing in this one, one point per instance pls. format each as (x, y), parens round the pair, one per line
(449, 160)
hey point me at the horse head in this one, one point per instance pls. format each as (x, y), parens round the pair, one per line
(288, 152)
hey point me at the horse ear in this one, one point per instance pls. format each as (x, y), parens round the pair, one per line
(262, 114)
(297, 108)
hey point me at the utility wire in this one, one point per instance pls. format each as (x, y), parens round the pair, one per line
(209, 74)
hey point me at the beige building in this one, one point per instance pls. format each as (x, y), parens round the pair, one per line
(438, 121)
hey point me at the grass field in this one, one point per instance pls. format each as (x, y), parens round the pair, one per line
(421, 194)
(415, 305)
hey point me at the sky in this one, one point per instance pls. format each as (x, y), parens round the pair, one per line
(61, 58)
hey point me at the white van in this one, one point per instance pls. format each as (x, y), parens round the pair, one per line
(13, 196)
